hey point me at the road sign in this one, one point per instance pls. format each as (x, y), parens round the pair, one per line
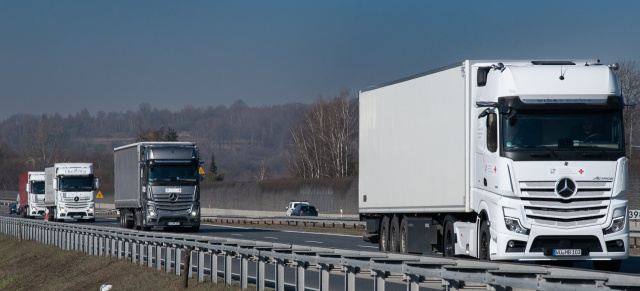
(99, 195)
(201, 171)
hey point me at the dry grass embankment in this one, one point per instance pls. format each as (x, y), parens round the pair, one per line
(29, 265)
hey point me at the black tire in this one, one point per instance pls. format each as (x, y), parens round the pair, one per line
(195, 229)
(122, 223)
(91, 220)
(384, 234)
(484, 250)
(610, 266)
(404, 235)
(128, 222)
(394, 235)
(137, 218)
(23, 213)
(448, 247)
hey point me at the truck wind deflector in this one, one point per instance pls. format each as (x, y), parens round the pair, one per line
(503, 109)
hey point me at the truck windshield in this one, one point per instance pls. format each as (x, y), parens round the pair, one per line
(173, 173)
(563, 131)
(76, 184)
(37, 187)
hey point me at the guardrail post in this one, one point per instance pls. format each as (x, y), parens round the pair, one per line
(20, 231)
(121, 246)
(85, 243)
(300, 268)
(107, 246)
(76, 243)
(350, 278)
(150, 255)
(200, 266)
(95, 244)
(114, 248)
(189, 259)
(260, 276)
(134, 252)
(279, 274)
(101, 246)
(413, 283)
(227, 268)
(158, 256)
(379, 282)
(324, 277)
(142, 246)
(213, 260)
(178, 260)
(451, 285)
(167, 259)
(244, 271)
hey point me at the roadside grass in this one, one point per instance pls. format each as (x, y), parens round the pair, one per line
(29, 265)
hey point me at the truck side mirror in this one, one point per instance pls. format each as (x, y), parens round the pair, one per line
(28, 188)
(55, 184)
(97, 183)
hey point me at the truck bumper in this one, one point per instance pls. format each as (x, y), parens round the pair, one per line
(173, 218)
(542, 241)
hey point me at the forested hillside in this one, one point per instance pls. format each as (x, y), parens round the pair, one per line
(245, 140)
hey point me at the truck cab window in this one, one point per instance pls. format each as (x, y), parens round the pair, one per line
(492, 133)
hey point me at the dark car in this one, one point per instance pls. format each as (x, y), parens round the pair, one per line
(304, 210)
(12, 208)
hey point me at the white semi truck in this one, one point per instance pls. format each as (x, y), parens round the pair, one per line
(157, 184)
(31, 194)
(498, 160)
(70, 189)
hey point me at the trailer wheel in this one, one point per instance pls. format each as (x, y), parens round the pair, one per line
(404, 235)
(448, 250)
(394, 235)
(485, 240)
(122, 225)
(384, 234)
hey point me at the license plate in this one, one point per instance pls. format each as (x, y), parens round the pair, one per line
(173, 223)
(567, 252)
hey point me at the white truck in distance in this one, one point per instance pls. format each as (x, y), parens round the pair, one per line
(498, 160)
(31, 194)
(70, 189)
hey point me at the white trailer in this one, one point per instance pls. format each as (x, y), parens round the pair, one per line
(70, 189)
(493, 159)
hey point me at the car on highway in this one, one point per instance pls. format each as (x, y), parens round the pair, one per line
(292, 205)
(12, 208)
(304, 210)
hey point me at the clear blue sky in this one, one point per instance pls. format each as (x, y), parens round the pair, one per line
(63, 56)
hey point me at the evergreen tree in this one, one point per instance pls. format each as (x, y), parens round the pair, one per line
(213, 168)
(171, 135)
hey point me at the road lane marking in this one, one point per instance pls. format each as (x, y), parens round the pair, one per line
(270, 237)
(371, 247)
(236, 234)
(313, 241)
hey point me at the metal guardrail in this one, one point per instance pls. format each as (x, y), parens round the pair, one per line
(451, 274)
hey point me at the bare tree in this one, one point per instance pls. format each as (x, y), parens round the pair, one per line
(323, 141)
(263, 171)
(629, 81)
(42, 142)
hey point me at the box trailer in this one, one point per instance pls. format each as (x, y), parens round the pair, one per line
(500, 160)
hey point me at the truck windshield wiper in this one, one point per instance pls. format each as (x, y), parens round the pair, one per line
(537, 147)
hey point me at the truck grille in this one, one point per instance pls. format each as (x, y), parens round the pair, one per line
(179, 197)
(588, 206)
(164, 206)
(83, 203)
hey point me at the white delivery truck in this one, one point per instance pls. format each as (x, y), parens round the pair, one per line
(70, 189)
(31, 194)
(158, 184)
(499, 160)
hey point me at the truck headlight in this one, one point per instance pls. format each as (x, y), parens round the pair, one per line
(151, 210)
(619, 221)
(62, 209)
(513, 224)
(194, 211)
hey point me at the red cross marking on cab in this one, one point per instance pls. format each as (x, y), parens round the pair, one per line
(495, 169)
(581, 171)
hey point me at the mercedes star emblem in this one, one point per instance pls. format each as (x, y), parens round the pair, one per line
(173, 196)
(566, 187)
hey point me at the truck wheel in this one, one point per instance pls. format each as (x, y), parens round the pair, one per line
(384, 234)
(448, 250)
(485, 240)
(404, 235)
(127, 221)
(137, 218)
(611, 266)
(122, 225)
(394, 235)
